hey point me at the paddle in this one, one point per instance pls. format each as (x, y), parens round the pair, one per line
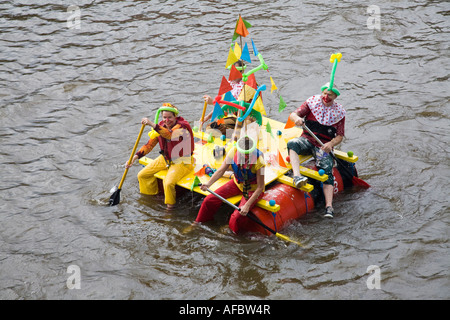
(254, 218)
(115, 197)
(203, 116)
(355, 180)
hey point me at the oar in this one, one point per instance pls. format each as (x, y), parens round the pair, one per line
(203, 116)
(355, 180)
(115, 197)
(254, 218)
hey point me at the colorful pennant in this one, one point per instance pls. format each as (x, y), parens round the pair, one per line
(251, 81)
(245, 55)
(289, 123)
(231, 58)
(234, 74)
(241, 29)
(282, 104)
(255, 52)
(217, 112)
(225, 86)
(246, 25)
(274, 87)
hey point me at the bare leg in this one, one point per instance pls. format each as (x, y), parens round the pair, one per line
(328, 190)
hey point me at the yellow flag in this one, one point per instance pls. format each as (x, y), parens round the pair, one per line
(274, 87)
(259, 106)
(237, 50)
(231, 58)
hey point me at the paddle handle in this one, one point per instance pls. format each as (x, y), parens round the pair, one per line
(355, 180)
(203, 115)
(254, 218)
(131, 156)
(223, 199)
(250, 215)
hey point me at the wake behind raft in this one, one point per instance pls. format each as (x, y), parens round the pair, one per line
(282, 202)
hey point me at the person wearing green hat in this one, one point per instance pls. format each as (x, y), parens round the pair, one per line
(326, 119)
(247, 163)
(176, 140)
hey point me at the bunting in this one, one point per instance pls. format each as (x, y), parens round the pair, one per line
(237, 51)
(259, 106)
(274, 87)
(251, 81)
(245, 55)
(225, 86)
(231, 58)
(289, 123)
(282, 104)
(241, 29)
(217, 112)
(280, 160)
(234, 74)
(246, 25)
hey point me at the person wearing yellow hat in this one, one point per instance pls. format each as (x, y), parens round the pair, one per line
(176, 140)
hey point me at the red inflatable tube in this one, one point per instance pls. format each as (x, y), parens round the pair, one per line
(293, 202)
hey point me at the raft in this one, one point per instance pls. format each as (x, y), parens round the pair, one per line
(282, 202)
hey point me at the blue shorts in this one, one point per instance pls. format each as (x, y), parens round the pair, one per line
(324, 161)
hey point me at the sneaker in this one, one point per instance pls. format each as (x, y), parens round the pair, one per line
(329, 212)
(299, 181)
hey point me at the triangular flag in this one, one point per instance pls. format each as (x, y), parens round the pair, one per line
(269, 129)
(280, 160)
(237, 50)
(195, 183)
(217, 112)
(247, 93)
(241, 29)
(251, 81)
(234, 74)
(231, 58)
(246, 24)
(274, 87)
(245, 55)
(282, 104)
(225, 86)
(201, 172)
(255, 52)
(258, 106)
(289, 123)
(229, 97)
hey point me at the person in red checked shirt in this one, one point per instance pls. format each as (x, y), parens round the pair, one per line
(326, 119)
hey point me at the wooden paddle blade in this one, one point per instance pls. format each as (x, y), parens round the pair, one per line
(115, 198)
(360, 183)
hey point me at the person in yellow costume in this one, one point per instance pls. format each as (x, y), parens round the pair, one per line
(176, 140)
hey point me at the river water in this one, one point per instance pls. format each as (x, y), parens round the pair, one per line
(75, 84)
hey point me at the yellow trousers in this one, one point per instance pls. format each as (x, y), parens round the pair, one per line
(148, 183)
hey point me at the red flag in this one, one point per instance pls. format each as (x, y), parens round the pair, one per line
(234, 74)
(225, 86)
(241, 29)
(251, 81)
